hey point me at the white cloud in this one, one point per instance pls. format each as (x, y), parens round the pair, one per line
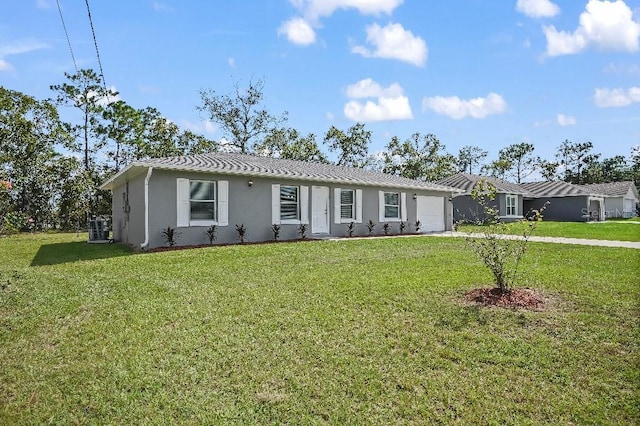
(43, 4)
(537, 8)
(566, 120)
(298, 31)
(614, 98)
(457, 108)
(105, 100)
(605, 25)
(5, 66)
(17, 47)
(389, 103)
(394, 42)
(330, 116)
(206, 126)
(368, 88)
(314, 9)
(231, 62)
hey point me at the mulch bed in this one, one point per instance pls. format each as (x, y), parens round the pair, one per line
(517, 298)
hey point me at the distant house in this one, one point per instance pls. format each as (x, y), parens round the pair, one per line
(621, 198)
(567, 202)
(192, 193)
(509, 198)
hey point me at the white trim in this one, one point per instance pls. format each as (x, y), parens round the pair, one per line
(358, 205)
(183, 207)
(381, 217)
(223, 203)
(275, 204)
(304, 204)
(146, 209)
(337, 204)
(403, 206)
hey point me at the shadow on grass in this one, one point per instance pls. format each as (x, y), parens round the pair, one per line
(54, 254)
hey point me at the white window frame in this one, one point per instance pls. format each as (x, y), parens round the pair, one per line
(357, 206)
(402, 207)
(221, 201)
(303, 205)
(514, 206)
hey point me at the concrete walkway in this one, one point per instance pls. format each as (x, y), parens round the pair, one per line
(557, 240)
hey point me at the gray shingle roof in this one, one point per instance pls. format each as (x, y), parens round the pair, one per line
(554, 189)
(467, 181)
(251, 165)
(612, 189)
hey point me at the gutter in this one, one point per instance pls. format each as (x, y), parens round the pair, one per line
(146, 209)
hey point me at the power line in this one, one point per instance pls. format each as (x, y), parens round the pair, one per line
(67, 35)
(95, 43)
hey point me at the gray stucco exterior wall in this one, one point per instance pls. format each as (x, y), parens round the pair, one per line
(247, 205)
(466, 209)
(568, 209)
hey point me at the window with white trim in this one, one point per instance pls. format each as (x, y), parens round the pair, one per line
(392, 205)
(512, 205)
(348, 205)
(202, 202)
(289, 204)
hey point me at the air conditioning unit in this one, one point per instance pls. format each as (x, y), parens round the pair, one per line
(99, 230)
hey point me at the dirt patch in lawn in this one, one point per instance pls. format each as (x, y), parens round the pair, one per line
(517, 298)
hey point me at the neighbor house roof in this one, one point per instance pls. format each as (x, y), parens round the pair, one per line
(467, 181)
(613, 189)
(557, 189)
(251, 165)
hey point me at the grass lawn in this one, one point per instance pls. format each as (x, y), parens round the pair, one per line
(348, 332)
(623, 230)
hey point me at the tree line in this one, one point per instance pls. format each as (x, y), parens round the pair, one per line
(51, 169)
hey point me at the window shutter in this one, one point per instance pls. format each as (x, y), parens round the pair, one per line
(336, 205)
(183, 205)
(275, 204)
(223, 203)
(358, 205)
(304, 204)
(403, 206)
(380, 206)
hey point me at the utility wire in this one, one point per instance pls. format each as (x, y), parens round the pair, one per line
(67, 35)
(95, 43)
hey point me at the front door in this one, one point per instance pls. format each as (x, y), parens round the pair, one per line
(320, 210)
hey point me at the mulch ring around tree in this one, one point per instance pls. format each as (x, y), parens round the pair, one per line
(517, 298)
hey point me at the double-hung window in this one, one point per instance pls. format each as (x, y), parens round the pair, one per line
(202, 202)
(392, 206)
(348, 205)
(512, 205)
(289, 204)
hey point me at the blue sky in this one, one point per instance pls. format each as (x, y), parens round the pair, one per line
(472, 72)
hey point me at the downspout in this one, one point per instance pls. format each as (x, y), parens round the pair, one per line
(146, 209)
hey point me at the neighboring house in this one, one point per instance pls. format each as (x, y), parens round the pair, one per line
(193, 192)
(621, 198)
(509, 198)
(567, 202)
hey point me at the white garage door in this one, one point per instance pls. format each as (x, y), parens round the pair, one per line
(431, 213)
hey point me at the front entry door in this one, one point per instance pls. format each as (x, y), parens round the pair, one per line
(320, 210)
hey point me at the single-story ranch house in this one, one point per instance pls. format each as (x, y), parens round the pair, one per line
(567, 202)
(191, 193)
(509, 198)
(621, 198)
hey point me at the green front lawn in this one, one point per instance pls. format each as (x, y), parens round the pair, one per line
(349, 332)
(624, 230)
